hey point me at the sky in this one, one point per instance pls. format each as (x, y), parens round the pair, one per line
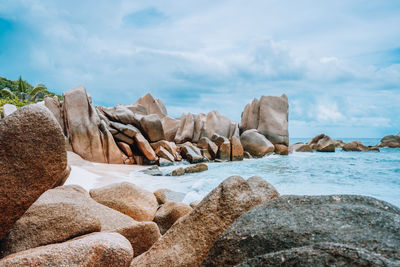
(337, 61)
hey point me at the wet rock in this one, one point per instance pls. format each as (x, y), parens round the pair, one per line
(256, 144)
(339, 143)
(188, 241)
(31, 162)
(99, 249)
(391, 141)
(358, 146)
(300, 147)
(293, 222)
(200, 167)
(153, 171)
(281, 149)
(322, 143)
(269, 116)
(178, 172)
(191, 153)
(165, 195)
(169, 213)
(139, 204)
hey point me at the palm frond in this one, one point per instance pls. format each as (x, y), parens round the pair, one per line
(7, 92)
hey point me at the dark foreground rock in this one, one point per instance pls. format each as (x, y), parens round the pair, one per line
(100, 249)
(33, 159)
(294, 225)
(321, 254)
(188, 241)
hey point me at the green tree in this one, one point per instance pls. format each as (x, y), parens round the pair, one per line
(23, 92)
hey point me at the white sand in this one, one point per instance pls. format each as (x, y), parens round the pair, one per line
(92, 175)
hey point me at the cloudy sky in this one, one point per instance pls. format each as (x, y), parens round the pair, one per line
(338, 61)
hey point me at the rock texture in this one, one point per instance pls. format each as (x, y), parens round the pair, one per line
(165, 195)
(358, 146)
(187, 242)
(200, 167)
(32, 160)
(152, 127)
(300, 147)
(256, 144)
(322, 143)
(295, 226)
(281, 149)
(127, 198)
(391, 141)
(169, 213)
(205, 143)
(237, 151)
(53, 218)
(100, 249)
(269, 116)
(153, 105)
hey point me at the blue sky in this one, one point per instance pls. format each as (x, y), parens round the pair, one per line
(338, 61)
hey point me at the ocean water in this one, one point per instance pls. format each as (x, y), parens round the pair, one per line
(375, 174)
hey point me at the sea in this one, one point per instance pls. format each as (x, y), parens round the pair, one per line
(375, 174)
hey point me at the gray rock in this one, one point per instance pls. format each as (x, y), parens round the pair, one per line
(290, 222)
(153, 171)
(321, 254)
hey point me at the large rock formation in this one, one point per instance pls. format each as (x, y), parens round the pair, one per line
(256, 144)
(169, 213)
(129, 199)
(100, 249)
(153, 105)
(298, 227)
(87, 136)
(32, 160)
(187, 242)
(269, 116)
(322, 143)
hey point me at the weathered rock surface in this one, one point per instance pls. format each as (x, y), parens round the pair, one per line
(163, 153)
(152, 127)
(33, 159)
(165, 195)
(191, 153)
(153, 171)
(100, 249)
(269, 116)
(8, 109)
(153, 105)
(125, 148)
(300, 147)
(281, 149)
(262, 189)
(54, 105)
(170, 126)
(392, 141)
(358, 146)
(200, 167)
(188, 241)
(321, 254)
(255, 143)
(139, 204)
(55, 217)
(169, 146)
(322, 143)
(237, 152)
(205, 143)
(224, 146)
(169, 213)
(141, 235)
(178, 172)
(293, 222)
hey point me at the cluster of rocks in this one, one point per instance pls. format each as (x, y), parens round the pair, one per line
(241, 222)
(143, 133)
(324, 143)
(392, 141)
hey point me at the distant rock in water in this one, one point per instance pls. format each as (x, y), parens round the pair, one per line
(300, 147)
(33, 159)
(358, 146)
(322, 143)
(336, 230)
(391, 141)
(269, 116)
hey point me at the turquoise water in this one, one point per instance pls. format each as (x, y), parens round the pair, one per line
(374, 174)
